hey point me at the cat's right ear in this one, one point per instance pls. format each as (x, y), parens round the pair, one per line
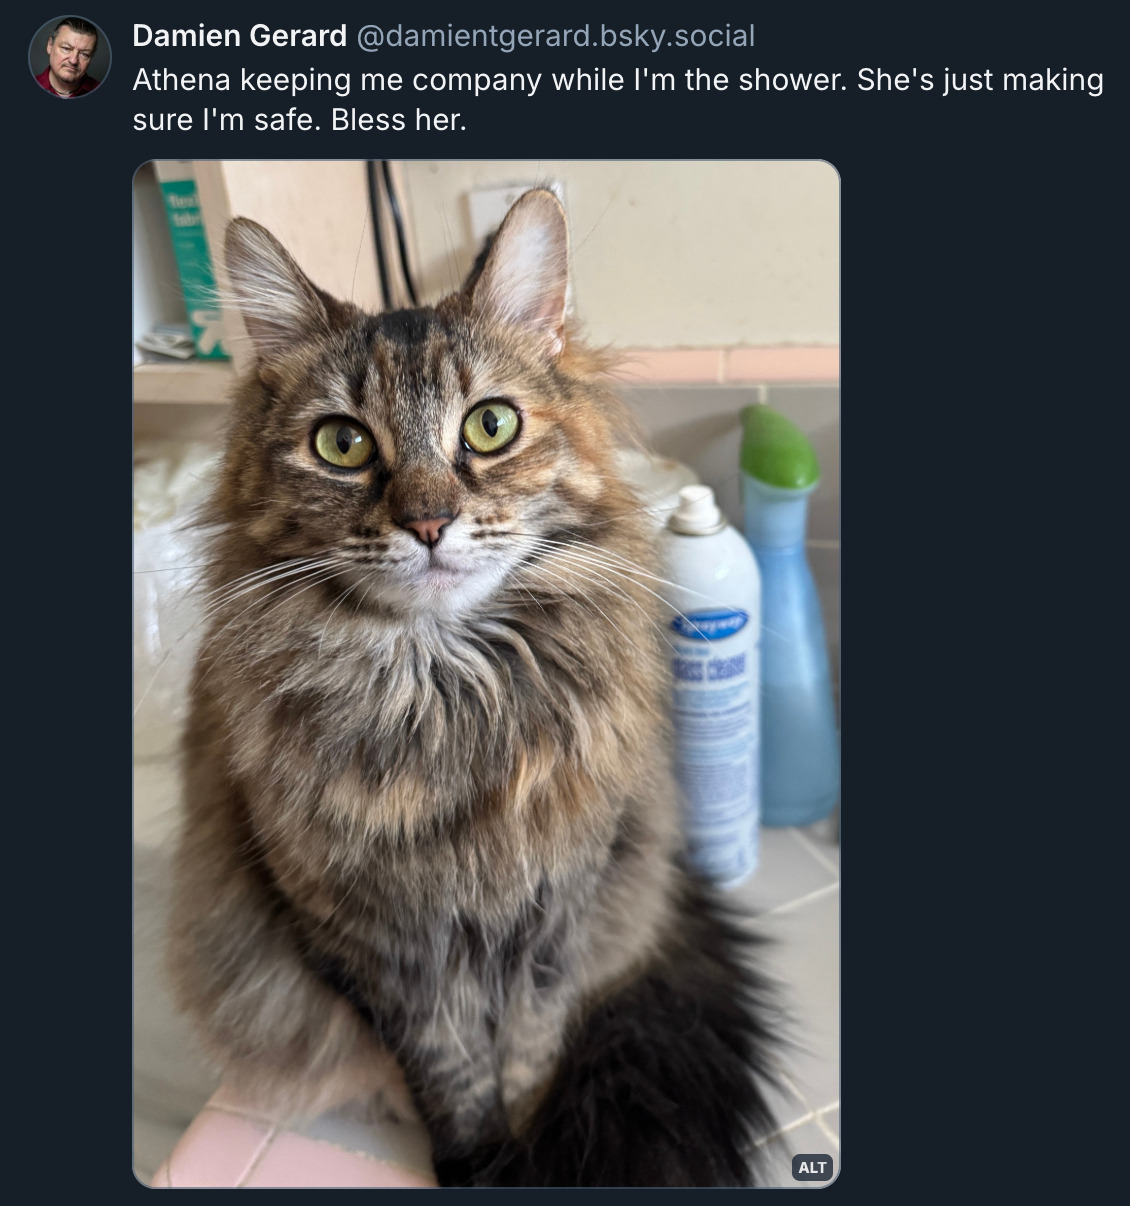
(524, 280)
(279, 304)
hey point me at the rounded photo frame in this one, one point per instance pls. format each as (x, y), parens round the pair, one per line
(69, 57)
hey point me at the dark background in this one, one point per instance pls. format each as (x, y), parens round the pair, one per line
(983, 274)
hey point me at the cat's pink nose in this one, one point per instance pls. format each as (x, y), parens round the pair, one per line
(428, 531)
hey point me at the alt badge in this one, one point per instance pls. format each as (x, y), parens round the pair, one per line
(812, 1168)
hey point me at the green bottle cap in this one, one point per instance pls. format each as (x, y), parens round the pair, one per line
(775, 451)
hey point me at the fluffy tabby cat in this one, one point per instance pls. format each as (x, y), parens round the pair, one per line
(430, 811)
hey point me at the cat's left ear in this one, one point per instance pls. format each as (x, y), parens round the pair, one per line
(280, 305)
(526, 274)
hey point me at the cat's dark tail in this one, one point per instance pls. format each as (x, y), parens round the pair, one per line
(664, 1083)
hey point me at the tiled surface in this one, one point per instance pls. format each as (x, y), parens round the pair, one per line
(230, 1147)
(288, 1161)
(794, 897)
(792, 866)
(152, 1140)
(172, 1080)
(805, 958)
(219, 1149)
(807, 1138)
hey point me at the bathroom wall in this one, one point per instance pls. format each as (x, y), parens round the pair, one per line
(664, 255)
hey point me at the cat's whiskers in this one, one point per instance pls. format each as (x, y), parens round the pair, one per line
(540, 568)
(333, 609)
(262, 607)
(221, 596)
(618, 561)
(575, 553)
(357, 261)
(686, 590)
(316, 576)
(532, 597)
(643, 507)
(156, 674)
(453, 271)
(312, 576)
(606, 559)
(171, 569)
(631, 569)
(576, 557)
(252, 575)
(215, 600)
(191, 631)
(590, 576)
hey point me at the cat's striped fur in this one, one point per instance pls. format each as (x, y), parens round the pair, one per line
(429, 806)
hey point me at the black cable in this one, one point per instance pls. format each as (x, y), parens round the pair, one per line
(394, 204)
(378, 237)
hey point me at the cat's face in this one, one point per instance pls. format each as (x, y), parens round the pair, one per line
(427, 457)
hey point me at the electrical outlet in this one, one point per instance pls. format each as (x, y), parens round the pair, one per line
(487, 206)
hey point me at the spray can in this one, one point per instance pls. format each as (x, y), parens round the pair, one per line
(800, 755)
(715, 636)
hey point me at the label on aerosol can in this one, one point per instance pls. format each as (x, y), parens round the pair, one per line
(715, 640)
(714, 706)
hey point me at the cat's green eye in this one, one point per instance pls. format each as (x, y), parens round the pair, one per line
(343, 444)
(490, 426)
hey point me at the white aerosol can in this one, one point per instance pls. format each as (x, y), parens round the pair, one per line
(714, 632)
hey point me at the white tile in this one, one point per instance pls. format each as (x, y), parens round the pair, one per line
(830, 1120)
(787, 871)
(787, 1106)
(153, 1142)
(804, 956)
(807, 1139)
(821, 838)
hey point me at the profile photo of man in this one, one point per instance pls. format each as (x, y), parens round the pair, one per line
(71, 47)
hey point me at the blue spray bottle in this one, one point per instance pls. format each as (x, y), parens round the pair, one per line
(800, 753)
